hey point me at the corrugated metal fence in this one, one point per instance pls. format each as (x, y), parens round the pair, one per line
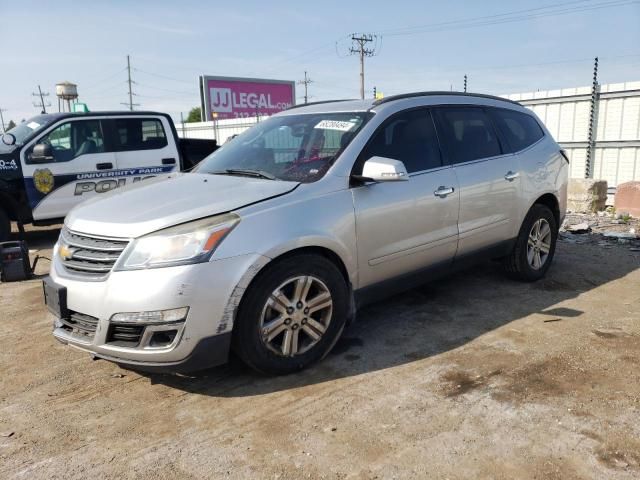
(222, 130)
(565, 112)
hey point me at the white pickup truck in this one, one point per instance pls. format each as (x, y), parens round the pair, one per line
(52, 162)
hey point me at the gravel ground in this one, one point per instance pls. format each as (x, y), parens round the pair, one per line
(474, 376)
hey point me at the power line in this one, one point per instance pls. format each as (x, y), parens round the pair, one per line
(130, 82)
(483, 17)
(104, 80)
(508, 18)
(359, 43)
(163, 76)
(306, 83)
(41, 104)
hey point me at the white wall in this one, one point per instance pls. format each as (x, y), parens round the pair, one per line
(221, 131)
(565, 112)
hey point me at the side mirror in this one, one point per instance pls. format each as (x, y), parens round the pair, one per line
(42, 153)
(9, 139)
(382, 169)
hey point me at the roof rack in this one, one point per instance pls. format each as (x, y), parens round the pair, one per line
(319, 103)
(426, 94)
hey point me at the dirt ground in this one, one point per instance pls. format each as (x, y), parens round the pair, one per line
(474, 376)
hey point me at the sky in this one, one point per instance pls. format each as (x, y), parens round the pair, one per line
(502, 46)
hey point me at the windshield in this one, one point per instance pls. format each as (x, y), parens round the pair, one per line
(29, 127)
(299, 148)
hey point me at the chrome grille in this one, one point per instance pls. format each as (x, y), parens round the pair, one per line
(89, 256)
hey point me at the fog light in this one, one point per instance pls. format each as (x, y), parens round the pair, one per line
(157, 316)
(163, 339)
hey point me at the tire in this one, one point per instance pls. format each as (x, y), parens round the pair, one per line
(260, 317)
(522, 263)
(5, 226)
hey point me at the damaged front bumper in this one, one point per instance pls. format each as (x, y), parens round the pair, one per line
(165, 319)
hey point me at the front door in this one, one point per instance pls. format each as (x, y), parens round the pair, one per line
(404, 226)
(79, 154)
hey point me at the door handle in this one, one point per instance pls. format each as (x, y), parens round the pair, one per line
(442, 191)
(104, 166)
(168, 161)
(511, 176)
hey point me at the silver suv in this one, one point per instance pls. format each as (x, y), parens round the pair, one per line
(272, 243)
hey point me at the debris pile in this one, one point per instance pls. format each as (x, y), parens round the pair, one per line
(605, 228)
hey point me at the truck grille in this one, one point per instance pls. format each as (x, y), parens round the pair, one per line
(89, 256)
(80, 325)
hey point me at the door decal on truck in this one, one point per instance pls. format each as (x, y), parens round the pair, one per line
(42, 184)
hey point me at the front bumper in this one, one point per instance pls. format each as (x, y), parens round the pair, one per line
(211, 290)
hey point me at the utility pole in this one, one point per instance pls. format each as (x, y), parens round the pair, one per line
(465, 83)
(43, 107)
(182, 122)
(130, 82)
(306, 83)
(2, 119)
(359, 48)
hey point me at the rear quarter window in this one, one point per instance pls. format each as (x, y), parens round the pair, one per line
(519, 129)
(139, 134)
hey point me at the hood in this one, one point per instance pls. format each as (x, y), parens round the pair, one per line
(166, 201)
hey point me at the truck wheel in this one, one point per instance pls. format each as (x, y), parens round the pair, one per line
(291, 315)
(532, 255)
(5, 226)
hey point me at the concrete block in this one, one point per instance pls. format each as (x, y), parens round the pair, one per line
(628, 198)
(586, 195)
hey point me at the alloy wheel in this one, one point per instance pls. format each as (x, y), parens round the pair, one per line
(296, 316)
(539, 244)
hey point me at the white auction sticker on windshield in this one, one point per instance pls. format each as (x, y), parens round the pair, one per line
(335, 125)
(33, 125)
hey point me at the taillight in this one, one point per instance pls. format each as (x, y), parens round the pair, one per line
(564, 154)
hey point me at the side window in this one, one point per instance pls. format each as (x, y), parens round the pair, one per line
(139, 134)
(409, 137)
(519, 129)
(467, 133)
(73, 139)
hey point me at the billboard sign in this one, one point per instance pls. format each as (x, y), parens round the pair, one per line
(230, 97)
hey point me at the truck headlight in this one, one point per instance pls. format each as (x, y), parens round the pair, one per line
(192, 242)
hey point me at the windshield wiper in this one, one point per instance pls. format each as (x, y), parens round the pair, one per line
(246, 172)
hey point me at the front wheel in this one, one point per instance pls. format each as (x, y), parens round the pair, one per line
(535, 246)
(291, 315)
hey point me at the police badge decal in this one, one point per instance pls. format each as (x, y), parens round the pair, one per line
(43, 180)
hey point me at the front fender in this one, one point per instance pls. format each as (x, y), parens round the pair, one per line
(326, 221)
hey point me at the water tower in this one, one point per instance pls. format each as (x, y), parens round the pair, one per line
(66, 91)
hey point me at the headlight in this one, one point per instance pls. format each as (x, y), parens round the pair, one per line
(192, 242)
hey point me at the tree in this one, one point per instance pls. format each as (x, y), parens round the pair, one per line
(10, 125)
(194, 115)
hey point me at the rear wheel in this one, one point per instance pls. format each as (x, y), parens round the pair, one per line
(5, 226)
(536, 244)
(291, 315)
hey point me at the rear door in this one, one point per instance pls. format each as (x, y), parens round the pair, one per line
(81, 151)
(404, 226)
(488, 177)
(145, 146)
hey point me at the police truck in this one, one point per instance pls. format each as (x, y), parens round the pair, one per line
(52, 162)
